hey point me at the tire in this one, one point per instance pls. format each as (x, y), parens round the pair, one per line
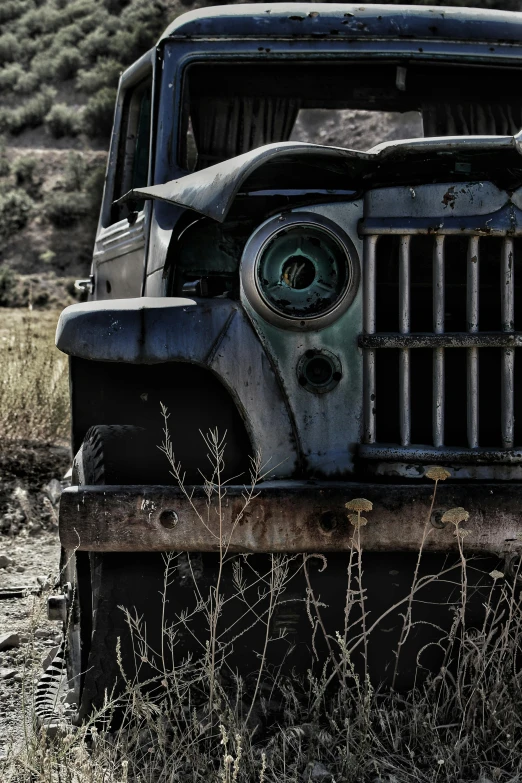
(118, 454)
(75, 579)
(102, 582)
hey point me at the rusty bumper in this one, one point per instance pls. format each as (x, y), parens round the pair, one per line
(288, 516)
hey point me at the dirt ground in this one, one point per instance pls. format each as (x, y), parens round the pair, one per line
(31, 478)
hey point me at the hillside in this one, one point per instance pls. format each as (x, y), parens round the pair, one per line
(60, 62)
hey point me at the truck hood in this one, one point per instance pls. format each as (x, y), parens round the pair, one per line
(296, 165)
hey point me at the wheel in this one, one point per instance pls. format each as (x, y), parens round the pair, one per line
(75, 577)
(98, 583)
(102, 583)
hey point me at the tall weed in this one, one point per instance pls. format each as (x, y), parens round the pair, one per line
(195, 719)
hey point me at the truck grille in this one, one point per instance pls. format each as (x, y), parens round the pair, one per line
(442, 379)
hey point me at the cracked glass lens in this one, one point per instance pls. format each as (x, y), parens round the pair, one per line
(302, 272)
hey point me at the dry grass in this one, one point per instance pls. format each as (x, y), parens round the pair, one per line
(195, 721)
(34, 392)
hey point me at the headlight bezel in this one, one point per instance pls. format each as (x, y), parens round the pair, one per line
(263, 236)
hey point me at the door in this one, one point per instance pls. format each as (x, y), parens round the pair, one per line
(119, 251)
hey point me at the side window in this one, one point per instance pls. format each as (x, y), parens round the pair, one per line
(134, 147)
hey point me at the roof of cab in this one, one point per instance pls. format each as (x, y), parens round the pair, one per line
(349, 21)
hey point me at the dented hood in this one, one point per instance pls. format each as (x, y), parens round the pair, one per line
(285, 165)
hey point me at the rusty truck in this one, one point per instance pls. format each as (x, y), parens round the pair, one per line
(352, 315)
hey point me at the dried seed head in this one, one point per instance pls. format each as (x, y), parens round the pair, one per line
(437, 473)
(359, 504)
(462, 532)
(455, 515)
(357, 521)
(496, 574)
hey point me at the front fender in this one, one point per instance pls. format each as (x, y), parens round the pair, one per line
(214, 334)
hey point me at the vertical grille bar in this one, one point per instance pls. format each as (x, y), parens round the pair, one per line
(438, 353)
(507, 299)
(472, 313)
(370, 246)
(404, 328)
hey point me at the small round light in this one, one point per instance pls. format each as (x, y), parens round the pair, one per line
(300, 270)
(319, 371)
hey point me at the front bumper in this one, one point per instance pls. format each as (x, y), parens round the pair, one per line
(288, 516)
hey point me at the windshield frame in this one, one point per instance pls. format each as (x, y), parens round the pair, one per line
(178, 54)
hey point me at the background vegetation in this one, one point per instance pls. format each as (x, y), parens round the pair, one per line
(34, 379)
(60, 61)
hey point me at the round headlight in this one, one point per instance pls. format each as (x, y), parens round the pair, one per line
(300, 271)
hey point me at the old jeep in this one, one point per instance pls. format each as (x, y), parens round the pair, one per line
(352, 315)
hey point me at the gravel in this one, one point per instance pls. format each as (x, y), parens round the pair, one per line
(30, 486)
(8, 641)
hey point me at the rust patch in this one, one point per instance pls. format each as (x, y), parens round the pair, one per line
(449, 198)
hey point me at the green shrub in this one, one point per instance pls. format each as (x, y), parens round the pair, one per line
(5, 166)
(7, 285)
(31, 113)
(24, 170)
(9, 48)
(93, 187)
(15, 78)
(9, 76)
(67, 36)
(81, 9)
(31, 47)
(12, 9)
(63, 210)
(5, 120)
(96, 44)
(105, 73)
(56, 64)
(37, 107)
(41, 20)
(41, 66)
(74, 172)
(16, 208)
(98, 113)
(66, 64)
(142, 22)
(62, 120)
(89, 23)
(27, 83)
(123, 41)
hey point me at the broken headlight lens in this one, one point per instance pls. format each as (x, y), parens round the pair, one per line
(298, 267)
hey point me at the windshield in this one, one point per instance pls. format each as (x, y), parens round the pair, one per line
(233, 108)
